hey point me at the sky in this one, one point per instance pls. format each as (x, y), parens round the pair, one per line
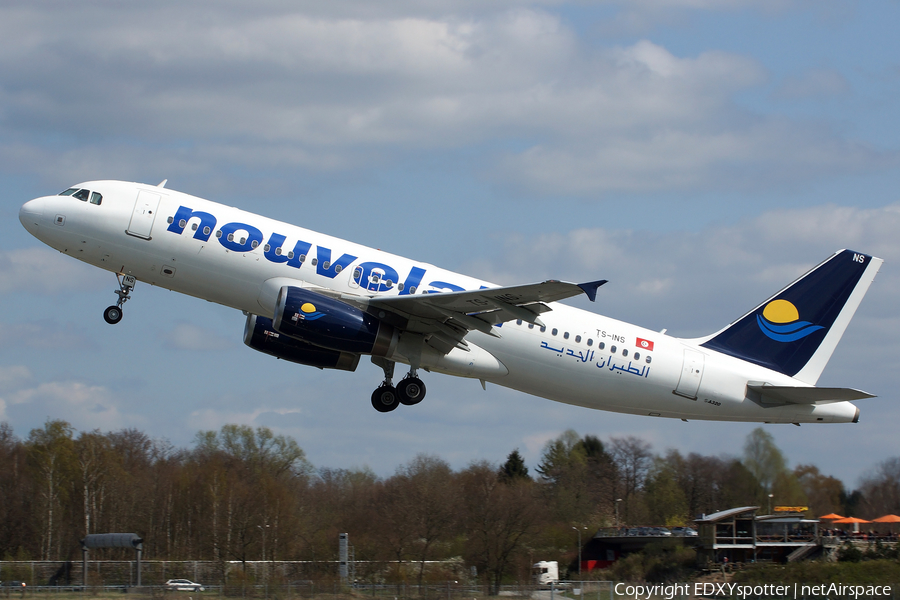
(698, 154)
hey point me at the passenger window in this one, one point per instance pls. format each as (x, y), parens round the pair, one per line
(637, 356)
(601, 345)
(624, 352)
(194, 226)
(648, 360)
(531, 326)
(590, 341)
(554, 331)
(518, 321)
(254, 244)
(400, 286)
(577, 339)
(543, 328)
(206, 230)
(314, 261)
(612, 349)
(566, 335)
(96, 198)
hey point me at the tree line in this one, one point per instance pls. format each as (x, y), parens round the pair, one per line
(241, 494)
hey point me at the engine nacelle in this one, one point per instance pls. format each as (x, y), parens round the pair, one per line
(260, 335)
(330, 323)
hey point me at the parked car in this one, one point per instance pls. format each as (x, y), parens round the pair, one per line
(183, 585)
(661, 531)
(19, 584)
(684, 531)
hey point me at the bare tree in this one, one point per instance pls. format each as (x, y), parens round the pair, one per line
(51, 454)
(498, 519)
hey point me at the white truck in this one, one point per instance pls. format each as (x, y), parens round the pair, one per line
(545, 572)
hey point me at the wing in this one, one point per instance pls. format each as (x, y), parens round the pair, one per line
(446, 317)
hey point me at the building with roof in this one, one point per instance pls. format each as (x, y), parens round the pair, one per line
(740, 535)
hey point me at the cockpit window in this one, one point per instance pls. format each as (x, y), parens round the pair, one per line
(83, 195)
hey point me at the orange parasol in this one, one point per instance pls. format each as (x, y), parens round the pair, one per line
(850, 520)
(832, 516)
(887, 519)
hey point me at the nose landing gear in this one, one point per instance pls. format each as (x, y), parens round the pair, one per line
(113, 314)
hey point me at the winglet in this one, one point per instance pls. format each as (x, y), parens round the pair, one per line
(590, 288)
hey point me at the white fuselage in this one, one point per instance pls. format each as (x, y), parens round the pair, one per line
(581, 358)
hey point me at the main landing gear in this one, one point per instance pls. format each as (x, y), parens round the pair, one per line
(410, 391)
(113, 314)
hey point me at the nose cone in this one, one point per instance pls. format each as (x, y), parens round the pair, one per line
(31, 215)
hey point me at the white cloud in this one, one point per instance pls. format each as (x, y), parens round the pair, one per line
(815, 83)
(187, 336)
(14, 376)
(84, 405)
(700, 281)
(43, 271)
(280, 88)
(43, 334)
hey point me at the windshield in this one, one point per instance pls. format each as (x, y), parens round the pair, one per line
(83, 195)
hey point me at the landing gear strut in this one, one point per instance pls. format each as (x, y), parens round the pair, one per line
(409, 391)
(385, 399)
(113, 314)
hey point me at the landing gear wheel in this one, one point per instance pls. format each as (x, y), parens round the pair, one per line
(112, 315)
(411, 391)
(385, 399)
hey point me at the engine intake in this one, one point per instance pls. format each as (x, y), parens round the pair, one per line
(260, 335)
(330, 323)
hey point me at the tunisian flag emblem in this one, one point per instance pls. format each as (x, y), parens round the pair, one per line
(645, 344)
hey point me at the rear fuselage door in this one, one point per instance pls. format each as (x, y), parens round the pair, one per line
(144, 213)
(691, 374)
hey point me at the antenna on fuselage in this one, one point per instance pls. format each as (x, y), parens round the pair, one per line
(163, 183)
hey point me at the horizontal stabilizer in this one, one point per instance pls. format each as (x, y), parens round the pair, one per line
(781, 394)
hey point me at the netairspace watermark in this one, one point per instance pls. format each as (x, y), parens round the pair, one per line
(737, 590)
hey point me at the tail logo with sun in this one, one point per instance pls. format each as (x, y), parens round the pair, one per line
(781, 322)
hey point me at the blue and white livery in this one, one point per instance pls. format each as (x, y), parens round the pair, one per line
(321, 301)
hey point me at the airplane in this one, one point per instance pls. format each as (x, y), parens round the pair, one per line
(320, 301)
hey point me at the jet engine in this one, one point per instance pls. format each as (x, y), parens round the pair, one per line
(330, 323)
(260, 335)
